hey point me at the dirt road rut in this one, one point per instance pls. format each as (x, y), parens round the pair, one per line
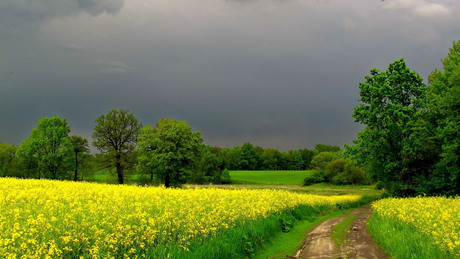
(358, 242)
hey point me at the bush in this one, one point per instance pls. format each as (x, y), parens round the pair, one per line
(353, 175)
(334, 168)
(316, 177)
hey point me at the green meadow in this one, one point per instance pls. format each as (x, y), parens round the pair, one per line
(269, 177)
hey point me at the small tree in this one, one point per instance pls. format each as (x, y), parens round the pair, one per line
(49, 143)
(79, 145)
(169, 150)
(115, 134)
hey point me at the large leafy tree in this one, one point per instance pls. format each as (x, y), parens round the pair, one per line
(169, 150)
(79, 146)
(50, 145)
(389, 106)
(443, 125)
(115, 135)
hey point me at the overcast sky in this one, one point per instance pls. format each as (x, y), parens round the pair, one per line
(276, 73)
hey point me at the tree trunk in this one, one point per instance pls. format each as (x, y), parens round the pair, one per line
(119, 169)
(76, 167)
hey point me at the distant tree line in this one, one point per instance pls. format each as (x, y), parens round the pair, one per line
(168, 152)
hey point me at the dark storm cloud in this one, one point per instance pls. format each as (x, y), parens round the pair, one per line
(280, 74)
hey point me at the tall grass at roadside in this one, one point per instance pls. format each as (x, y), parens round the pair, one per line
(40, 218)
(417, 227)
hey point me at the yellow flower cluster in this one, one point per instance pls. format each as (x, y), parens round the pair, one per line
(43, 218)
(437, 217)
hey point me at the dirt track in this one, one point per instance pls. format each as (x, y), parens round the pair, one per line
(358, 242)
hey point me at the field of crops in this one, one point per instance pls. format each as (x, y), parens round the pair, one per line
(422, 227)
(41, 218)
(269, 177)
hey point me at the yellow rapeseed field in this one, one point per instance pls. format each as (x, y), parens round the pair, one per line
(438, 218)
(43, 218)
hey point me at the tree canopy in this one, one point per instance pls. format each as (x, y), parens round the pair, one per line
(50, 145)
(115, 134)
(390, 106)
(169, 150)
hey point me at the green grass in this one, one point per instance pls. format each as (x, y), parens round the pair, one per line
(339, 231)
(269, 177)
(401, 240)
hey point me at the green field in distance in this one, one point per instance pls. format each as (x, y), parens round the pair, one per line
(269, 177)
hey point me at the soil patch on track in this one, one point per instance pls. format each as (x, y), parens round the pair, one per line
(358, 242)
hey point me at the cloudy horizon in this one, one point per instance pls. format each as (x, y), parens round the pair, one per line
(275, 73)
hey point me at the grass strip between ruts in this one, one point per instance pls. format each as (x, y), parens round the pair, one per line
(339, 231)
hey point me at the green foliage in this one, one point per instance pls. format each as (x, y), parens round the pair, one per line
(286, 223)
(225, 177)
(389, 105)
(79, 145)
(340, 172)
(7, 155)
(307, 156)
(169, 149)
(249, 157)
(351, 175)
(334, 168)
(115, 135)
(49, 147)
(326, 148)
(321, 160)
(28, 161)
(209, 168)
(294, 160)
(316, 177)
(442, 126)
(273, 159)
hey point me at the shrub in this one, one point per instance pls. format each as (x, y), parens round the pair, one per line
(334, 168)
(316, 177)
(353, 175)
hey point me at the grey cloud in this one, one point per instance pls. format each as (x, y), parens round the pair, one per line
(19, 13)
(420, 8)
(96, 7)
(280, 74)
(113, 66)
